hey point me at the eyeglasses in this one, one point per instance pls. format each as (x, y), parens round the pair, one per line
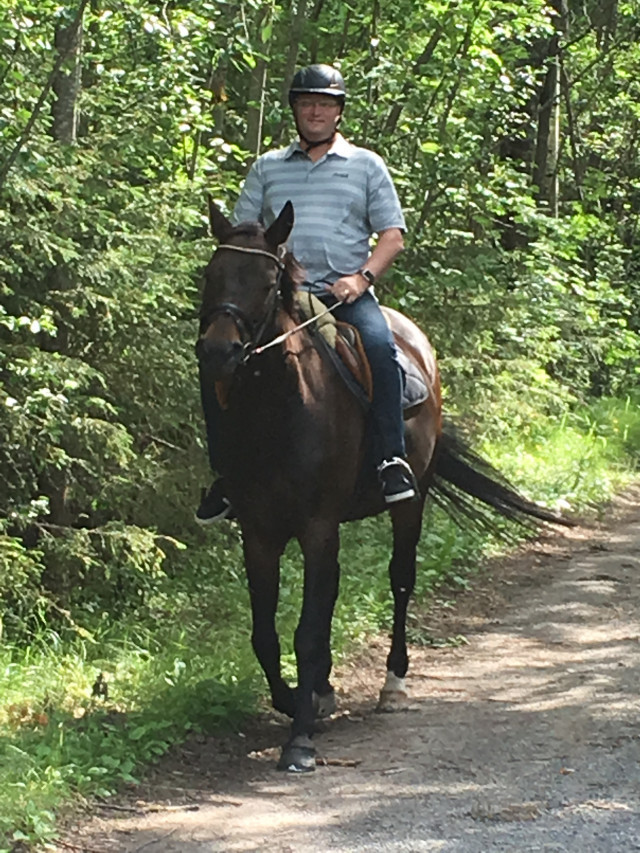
(309, 103)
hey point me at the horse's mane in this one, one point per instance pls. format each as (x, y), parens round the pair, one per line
(292, 277)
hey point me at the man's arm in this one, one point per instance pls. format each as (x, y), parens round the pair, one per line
(350, 287)
(390, 244)
(249, 205)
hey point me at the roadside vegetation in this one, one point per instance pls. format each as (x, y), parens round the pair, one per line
(86, 705)
(122, 626)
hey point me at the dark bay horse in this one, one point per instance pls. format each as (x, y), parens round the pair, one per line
(294, 440)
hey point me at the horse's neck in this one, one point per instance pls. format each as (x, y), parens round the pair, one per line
(282, 377)
(264, 416)
(271, 376)
(288, 409)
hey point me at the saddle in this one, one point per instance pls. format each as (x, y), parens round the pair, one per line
(342, 345)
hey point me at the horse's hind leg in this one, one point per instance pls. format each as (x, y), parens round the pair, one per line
(262, 562)
(407, 523)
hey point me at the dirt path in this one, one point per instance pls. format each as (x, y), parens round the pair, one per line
(526, 739)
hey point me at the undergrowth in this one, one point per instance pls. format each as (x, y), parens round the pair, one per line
(83, 709)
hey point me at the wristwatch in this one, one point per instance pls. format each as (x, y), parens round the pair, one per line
(370, 277)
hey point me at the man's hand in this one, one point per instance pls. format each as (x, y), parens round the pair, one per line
(348, 288)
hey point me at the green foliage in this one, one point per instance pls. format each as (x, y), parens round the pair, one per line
(102, 243)
(57, 742)
(185, 663)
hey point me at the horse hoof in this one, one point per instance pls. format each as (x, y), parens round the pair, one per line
(393, 696)
(392, 700)
(324, 706)
(298, 756)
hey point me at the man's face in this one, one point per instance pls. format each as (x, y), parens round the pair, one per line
(317, 115)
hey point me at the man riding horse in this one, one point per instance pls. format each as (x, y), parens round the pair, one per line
(342, 195)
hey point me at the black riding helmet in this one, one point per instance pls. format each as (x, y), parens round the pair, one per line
(317, 80)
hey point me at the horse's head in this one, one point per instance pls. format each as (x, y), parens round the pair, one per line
(246, 281)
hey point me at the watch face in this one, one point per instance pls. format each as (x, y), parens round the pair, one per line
(370, 277)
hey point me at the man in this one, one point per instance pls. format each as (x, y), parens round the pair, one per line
(341, 196)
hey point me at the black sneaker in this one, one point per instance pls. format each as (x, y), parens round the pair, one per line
(214, 505)
(398, 480)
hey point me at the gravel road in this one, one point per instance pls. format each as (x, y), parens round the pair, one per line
(527, 738)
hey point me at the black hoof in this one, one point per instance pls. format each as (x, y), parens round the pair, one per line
(299, 756)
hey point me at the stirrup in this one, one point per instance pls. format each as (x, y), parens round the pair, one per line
(396, 460)
(398, 480)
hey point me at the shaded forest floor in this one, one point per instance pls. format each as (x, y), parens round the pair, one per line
(524, 737)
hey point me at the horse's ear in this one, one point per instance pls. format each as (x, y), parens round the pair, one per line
(220, 225)
(277, 233)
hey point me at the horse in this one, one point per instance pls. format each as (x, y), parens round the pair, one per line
(294, 450)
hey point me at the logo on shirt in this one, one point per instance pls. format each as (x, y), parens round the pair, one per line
(341, 174)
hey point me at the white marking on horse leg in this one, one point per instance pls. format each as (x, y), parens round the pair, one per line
(394, 684)
(393, 695)
(324, 706)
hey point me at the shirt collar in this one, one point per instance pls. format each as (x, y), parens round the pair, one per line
(340, 147)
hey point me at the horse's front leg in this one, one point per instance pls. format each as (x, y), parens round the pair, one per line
(320, 543)
(262, 563)
(406, 520)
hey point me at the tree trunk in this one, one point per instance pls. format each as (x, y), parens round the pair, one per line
(372, 86)
(67, 83)
(313, 18)
(66, 86)
(257, 83)
(605, 21)
(255, 114)
(295, 34)
(545, 175)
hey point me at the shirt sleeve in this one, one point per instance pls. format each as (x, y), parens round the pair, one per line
(384, 208)
(250, 202)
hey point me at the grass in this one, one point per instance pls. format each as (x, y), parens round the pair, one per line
(185, 663)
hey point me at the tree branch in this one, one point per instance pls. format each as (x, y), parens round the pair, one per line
(11, 59)
(11, 159)
(396, 108)
(573, 130)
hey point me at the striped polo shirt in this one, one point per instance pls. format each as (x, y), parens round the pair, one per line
(339, 202)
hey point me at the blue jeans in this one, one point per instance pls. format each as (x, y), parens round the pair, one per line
(386, 406)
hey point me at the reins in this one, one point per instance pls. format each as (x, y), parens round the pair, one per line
(283, 337)
(251, 349)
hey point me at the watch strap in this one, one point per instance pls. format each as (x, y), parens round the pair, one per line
(370, 277)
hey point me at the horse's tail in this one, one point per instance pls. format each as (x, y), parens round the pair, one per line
(461, 478)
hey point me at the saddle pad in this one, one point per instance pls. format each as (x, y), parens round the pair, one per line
(414, 388)
(310, 306)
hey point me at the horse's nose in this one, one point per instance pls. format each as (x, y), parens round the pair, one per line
(206, 348)
(220, 357)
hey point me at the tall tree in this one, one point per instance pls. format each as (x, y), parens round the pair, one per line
(67, 81)
(545, 175)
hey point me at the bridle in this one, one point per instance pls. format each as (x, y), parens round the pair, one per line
(250, 335)
(251, 339)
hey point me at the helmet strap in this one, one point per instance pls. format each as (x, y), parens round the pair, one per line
(317, 142)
